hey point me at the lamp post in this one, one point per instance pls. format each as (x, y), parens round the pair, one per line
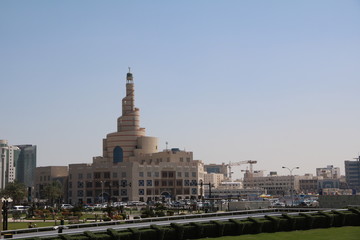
(102, 192)
(291, 184)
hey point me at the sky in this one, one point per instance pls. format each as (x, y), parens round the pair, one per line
(273, 81)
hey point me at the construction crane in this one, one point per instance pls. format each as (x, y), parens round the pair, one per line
(231, 164)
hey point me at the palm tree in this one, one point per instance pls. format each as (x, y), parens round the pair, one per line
(53, 191)
(14, 190)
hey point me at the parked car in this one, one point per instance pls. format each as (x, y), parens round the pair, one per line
(66, 206)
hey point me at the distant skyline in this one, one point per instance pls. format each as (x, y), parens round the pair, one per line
(272, 81)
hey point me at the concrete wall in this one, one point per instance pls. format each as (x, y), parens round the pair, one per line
(246, 205)
(338, 201)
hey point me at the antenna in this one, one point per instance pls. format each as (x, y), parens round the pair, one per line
(166, 145)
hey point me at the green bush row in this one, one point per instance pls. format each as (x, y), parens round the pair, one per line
(233, 227)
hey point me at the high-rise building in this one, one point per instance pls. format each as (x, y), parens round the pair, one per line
(132, 168)
(26, 164)
(352, 174)
(9, 158)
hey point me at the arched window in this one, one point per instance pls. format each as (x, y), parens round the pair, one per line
(118, 155)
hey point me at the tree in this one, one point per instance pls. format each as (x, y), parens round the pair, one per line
(14, 190)
(53, 191)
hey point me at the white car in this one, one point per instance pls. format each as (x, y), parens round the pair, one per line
(66, 206)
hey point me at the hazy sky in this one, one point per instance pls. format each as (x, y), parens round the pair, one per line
(272, 81)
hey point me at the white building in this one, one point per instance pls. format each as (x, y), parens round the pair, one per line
(9, 158)
(328, 172)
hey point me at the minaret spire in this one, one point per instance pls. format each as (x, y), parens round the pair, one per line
(130, 115)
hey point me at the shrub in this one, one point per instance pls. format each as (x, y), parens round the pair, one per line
(113, 233)
(179, 229)
(148, 234)
(160, 232)
(135, 233)
(249, 227)
(339, 218)
(239, 229)
(189, 231)
(291, 222)
(258, 225)
(199, 229)
(329, 219)
(275, 223)
(220, 226)
(229, 228)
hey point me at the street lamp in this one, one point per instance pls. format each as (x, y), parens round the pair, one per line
(102, 192)
(291, 184)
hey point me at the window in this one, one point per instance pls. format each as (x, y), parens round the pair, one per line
(148, 191)
(98, 184)
(171, 183)
(106, 174)
(141, 192)
(164, 174)
(88, 176)
(181, 159)
(118, 154)
(141, 174)
(156, 174)
(148, 174)
(97, 175)
(141, 183)
(171, 174)
(157, 183)
(80, 176)
(123, 192)
(89, 184)
(149, 183)
(114, 175)
(186, 174)
(178, 174)
(123, 183)
(193, 174)
(188, 159)
(178, 182)
(193, 183)
(89, 193)
(80, 184)
(80, 193)
(186, 182)
(164, 183)
(116, 192)
(123, 174)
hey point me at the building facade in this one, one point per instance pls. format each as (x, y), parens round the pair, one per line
(274, 185)
(26, 164)
(328, 172)
(218, 168)
(352, 174)
(9, 159)
(47, 175)
(132, 168)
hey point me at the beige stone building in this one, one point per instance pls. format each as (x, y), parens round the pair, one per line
(47, 175)
(214, 178)
(132, 168)
(274, 185)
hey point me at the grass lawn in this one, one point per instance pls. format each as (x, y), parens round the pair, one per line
(22, 225)
(339, 233)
